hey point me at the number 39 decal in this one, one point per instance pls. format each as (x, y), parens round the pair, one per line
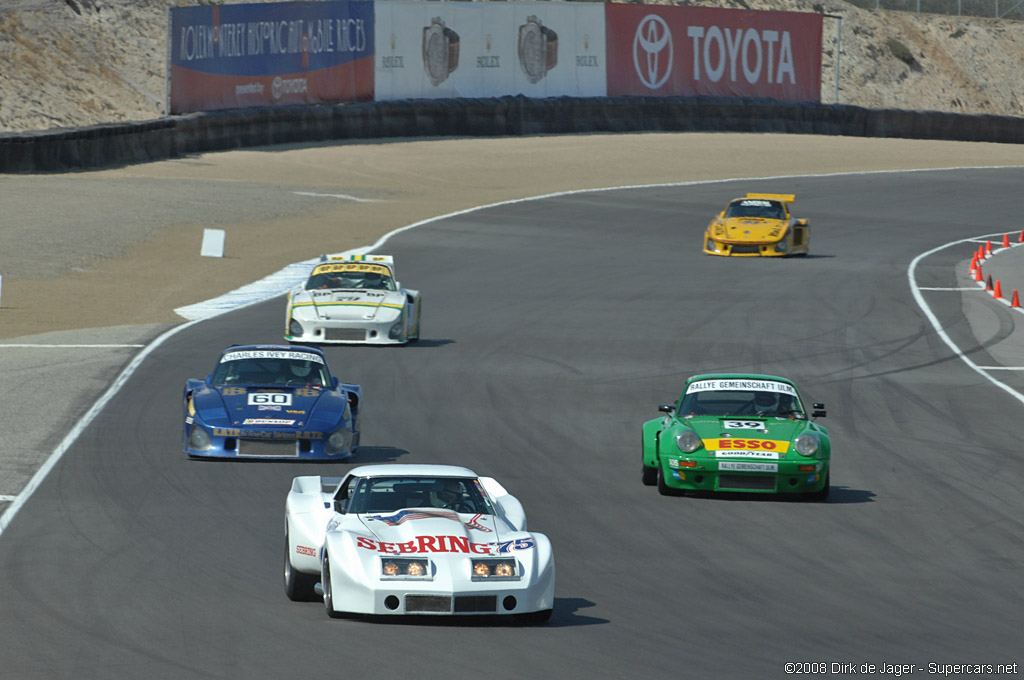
(743, 425)
(270, 398)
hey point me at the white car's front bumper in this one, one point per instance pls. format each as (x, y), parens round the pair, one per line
(450, 591)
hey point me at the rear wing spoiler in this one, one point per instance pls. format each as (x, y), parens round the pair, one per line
(345, 257)
(785, 198)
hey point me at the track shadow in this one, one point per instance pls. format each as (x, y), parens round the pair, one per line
(427, 342)
(837, 495)
(563, 616)
(364, 455)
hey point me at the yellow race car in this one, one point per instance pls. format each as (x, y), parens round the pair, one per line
(757, 225)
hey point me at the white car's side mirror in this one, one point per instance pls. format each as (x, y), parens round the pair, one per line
(513, 511)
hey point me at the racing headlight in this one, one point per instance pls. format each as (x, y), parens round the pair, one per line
(396, 330)
(199, 439)
(295, 328)
(404, 567)
(339, 442)
(494, 569)
(806, 444)
(782, 246)
(688, 441)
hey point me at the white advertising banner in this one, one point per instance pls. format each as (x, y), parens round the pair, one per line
(437, 50)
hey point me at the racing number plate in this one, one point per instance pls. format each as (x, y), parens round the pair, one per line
(270, 399)
(748, 467)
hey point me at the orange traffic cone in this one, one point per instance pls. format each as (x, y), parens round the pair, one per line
(988, 248)
(974, 263)
(997, 292)
(1016, 300)
(988, 283)
(1006, 240)
(1021, 239)
(977, 274)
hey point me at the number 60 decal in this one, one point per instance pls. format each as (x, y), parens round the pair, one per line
(270, 398)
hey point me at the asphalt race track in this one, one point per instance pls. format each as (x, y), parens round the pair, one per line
(551, 330)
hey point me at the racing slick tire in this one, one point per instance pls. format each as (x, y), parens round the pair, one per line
(535, 618)
(328, 594)
(822, 495)
(299, 587)
(649, 476)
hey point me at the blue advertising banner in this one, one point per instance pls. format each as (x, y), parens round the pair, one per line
(232, 56)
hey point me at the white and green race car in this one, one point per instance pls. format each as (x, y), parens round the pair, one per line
(353, 299)
(738, 432)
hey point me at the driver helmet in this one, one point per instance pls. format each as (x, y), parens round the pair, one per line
(764, 399)
(448, 490)
(301, 369)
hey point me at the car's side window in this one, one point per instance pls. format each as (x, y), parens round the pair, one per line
(343, 497)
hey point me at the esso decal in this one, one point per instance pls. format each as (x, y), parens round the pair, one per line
(743, 425)
(751, 444)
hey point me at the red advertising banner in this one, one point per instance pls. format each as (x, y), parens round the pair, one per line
(656, 50)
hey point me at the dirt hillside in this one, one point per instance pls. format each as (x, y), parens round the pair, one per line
(66, 63)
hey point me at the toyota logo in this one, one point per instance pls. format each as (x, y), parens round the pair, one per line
(652, 40)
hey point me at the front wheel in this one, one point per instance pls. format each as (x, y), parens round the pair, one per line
(649, 476)
(298, 586)
(663, 488)
(328, 592)
(534, 618)
(821, 495)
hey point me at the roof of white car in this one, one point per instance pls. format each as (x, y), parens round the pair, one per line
(412, 470)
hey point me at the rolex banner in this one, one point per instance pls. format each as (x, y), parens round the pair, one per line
(458, 49)
(234, 56)
(657, 50)
(264, 54)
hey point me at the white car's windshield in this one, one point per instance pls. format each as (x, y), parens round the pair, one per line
(390, 494)
(350, 280)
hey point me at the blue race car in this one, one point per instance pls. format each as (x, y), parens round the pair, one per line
(271, 402)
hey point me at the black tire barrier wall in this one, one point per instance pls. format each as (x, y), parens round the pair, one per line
(118, 144)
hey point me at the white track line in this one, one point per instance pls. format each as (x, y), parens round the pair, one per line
(271, 286)
(916, 291)
(2, 345)
(342, 196)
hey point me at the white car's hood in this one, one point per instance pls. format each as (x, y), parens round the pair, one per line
(351, 304)
(441, 529)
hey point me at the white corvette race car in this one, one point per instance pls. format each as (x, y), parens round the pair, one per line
(353, 299)
(415, 539)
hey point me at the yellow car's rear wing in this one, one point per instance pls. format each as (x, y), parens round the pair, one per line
(785, 198)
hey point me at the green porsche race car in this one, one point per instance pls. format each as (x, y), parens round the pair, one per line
(738, 432)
